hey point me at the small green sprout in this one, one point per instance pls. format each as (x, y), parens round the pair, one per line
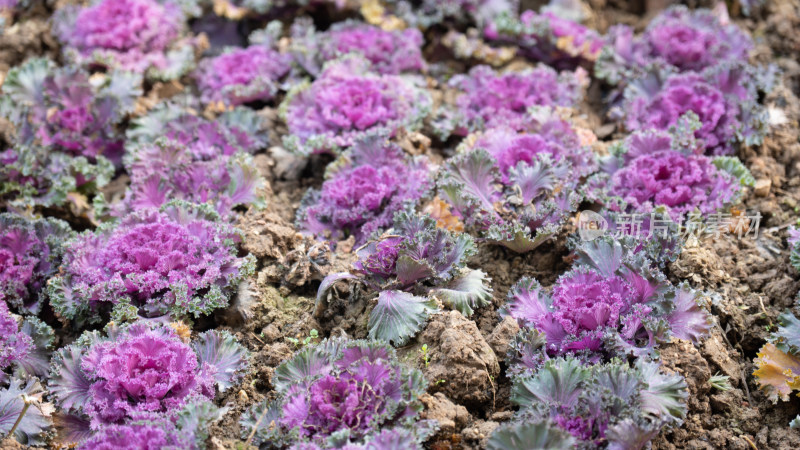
(721, 382)
(312, 336)
(424, 354)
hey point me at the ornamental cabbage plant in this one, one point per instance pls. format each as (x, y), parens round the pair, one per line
(30, 253)
(653, 170)
(341, 393)
(139, 369)
(241, 75)
(488, 99)
(517, 189)
(564, 404)
(196, 160)
(186, 428)
(141, 36)
(67, 137)
(413, 265)
(613, 302)
(236, 130)
(364, 189)
(679, 39)
(724, 98)
(388, 52)
(158, 432)
(548, 37)
(68, 110)
(347, 102)
(180, 260)
(33, 176)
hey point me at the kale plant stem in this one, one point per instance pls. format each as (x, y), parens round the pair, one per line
(21, 414)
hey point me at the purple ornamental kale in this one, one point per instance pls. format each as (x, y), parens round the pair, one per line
(613, 302)
(135, 35)
(489, 99)
(416, 251)
(167, 170)
(180, 260)
(683, 183)
(197, 160)
(388, 52)
(519, 194)
(65, 111)
(555, 137)
(185, 428)
(678, 38)
(141, 368)
(346, 102)
(242, 75)
(655, 171)
(615, 404)
(236, 130)
(33, 176)
(339, 389)
(370, 183)
(14, 344)
(412, 266)
(724, 99)
(30, 253)
(139, 435)
(549, 38)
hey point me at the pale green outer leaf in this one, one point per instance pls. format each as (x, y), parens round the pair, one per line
(466, 292)
(530, 436)
(398, 316)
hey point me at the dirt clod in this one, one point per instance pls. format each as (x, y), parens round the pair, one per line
(460, 356)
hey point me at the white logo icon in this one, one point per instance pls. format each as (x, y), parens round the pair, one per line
(591, 225)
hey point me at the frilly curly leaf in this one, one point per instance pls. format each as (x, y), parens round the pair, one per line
(398, 316)
(664, 396)
(777, 373)
(525, 436)
(308, 363)
(558, 382)
(627, 434)
(734, 166)
(69, 385)
(222, 352)
(466, 292)
(261, 421)
(37, 362)
(787, 337)
(688, 320)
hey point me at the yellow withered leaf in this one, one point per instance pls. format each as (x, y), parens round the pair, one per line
(778, 373)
